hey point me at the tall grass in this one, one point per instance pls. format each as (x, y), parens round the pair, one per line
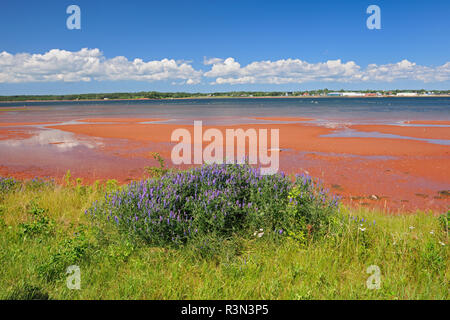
(43, 230)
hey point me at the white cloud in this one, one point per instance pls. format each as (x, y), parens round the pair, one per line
(91, 64)
(211, 61)
(406, 70)
(193, 81)
(283, 71)
(224, 67)
(87, 65)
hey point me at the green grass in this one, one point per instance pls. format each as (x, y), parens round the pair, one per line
(44, 230)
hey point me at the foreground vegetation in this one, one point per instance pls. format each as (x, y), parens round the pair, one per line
(298, 248)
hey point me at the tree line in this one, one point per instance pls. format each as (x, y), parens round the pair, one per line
(178, 95)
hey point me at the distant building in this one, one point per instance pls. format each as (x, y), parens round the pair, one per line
(335, 94)
(407, 94)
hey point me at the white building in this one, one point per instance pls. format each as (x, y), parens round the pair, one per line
(407, 94)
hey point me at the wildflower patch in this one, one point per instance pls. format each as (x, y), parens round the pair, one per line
(218, 200)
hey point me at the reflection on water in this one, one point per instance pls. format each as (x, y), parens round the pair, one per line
(53, 139)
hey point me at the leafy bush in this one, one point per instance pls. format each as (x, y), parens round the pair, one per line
(218, 200)
(309, 208)
(39, 223)
(111, 185)
(157, 172)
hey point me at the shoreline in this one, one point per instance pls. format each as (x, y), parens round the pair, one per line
(226, 97)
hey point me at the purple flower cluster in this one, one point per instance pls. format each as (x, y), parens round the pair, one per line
(10, 184)
(37, 183)
(7, 184)
(220, 199)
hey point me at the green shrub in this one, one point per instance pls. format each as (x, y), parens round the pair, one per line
(112, 185)
(40, 224)
(309, 210)
(157, 172)
(218, 200)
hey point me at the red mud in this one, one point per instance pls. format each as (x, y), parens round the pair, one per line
(396, 174)
(14, 134)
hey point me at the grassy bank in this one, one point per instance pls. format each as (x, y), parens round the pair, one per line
(44, 229)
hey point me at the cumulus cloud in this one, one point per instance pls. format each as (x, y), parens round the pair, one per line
(407, 70)
(87, 65)
(90, 64)
(284, 71)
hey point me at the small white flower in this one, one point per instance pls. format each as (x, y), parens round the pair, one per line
(362, 229)
(431, 232)
(261, 229)
(260, 234)
(411, 227)
(441, 243)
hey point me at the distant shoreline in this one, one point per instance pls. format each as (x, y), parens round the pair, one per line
(229, 97)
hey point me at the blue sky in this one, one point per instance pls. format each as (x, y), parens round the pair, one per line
(273, 45)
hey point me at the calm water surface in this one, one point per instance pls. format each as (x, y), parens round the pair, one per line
(360, 110)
